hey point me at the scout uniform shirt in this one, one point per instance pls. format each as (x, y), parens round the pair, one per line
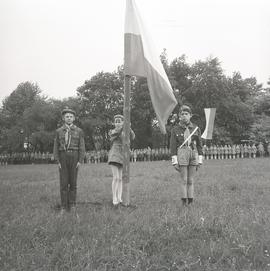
(177, 138)
(69, 139)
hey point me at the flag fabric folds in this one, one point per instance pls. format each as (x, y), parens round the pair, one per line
(210, 119)
(141, 59)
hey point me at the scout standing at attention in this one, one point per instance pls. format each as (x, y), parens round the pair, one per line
(186, 151)
(69, 151)
(116, 157)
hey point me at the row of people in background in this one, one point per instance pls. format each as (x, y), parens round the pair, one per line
(146, 154)
(101, 156)
(234, 151)
(26, 158)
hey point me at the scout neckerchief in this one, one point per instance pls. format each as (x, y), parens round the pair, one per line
(189, 137)
(67, 136)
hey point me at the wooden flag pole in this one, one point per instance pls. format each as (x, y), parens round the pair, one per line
(126, 140)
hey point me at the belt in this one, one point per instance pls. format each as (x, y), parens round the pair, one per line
(190, 147)
(185, 147)
(69, 150)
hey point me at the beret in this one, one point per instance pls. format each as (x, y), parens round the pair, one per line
(68, 110)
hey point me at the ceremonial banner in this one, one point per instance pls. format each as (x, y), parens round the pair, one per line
(141, 59)
(210, 119)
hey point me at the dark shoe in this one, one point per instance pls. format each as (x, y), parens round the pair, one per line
(190, 200)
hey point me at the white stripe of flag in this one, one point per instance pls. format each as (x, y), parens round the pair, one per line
(141, 59)
(210, 119)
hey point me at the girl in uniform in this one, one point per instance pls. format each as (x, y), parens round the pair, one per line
(186, 151)
(116, 157)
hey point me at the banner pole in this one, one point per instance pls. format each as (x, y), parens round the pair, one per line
(126, 140)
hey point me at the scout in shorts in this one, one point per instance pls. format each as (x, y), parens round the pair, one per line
(186, 151)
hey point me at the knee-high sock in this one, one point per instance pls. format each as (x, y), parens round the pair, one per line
(190, 190)
(114, 190)
(184, 190)
(183, 178)
(119, 190)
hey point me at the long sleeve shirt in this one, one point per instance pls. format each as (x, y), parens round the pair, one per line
(177, 138)
(116, 135)
(76, 142)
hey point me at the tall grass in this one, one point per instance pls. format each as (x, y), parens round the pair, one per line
(227, 227)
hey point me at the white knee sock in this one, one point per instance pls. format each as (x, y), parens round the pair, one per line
(114, 191)
(119, 190)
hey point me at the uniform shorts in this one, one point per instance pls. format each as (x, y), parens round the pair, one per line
(187, 156)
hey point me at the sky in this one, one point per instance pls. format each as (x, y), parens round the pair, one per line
(59, 44)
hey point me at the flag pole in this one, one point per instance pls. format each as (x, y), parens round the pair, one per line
(126, 140)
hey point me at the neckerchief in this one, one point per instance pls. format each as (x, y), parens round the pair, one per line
(187, 136)
(67, 136)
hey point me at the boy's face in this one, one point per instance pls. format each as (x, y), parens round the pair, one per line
(68, 118)
(118, 123)
(184, 116)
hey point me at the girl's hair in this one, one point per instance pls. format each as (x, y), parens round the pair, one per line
(119, 117)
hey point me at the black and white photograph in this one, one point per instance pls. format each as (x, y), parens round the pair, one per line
(135, 135)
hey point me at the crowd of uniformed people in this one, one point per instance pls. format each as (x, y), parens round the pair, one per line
(147, 154)
(235, 151)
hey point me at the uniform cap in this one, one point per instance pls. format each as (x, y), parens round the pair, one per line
(68, 110)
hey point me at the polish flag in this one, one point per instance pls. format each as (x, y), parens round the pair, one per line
(210, 119)
(141, 59)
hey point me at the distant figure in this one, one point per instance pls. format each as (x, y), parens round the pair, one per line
(116, 157)
(69, 151)
(245, 151)
(204, 150)
(186, 151)
(261, 149)
(233, 151)
(226, 151)
(238, 151)
(242, 151)
(254, 151)
(249, 151)
(229, 151)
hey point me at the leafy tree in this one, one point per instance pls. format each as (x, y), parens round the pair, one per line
(142, 114)
(203, 85)
(101, 98)
(260, 130)
(179, 76)
(19, 100)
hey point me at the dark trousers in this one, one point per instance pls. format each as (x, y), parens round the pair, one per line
(68, 178)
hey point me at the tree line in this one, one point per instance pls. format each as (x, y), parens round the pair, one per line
(28, 118)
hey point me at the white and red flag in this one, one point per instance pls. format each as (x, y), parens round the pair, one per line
(210, 119)
(141, 59)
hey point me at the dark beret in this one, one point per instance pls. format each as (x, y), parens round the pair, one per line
(68, 110)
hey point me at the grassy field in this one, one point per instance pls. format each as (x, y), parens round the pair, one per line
(227, 228)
